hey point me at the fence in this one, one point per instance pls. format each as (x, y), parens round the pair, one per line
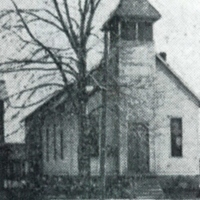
(13, 166)
(15, 173)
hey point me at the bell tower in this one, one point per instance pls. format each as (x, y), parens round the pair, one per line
(130, 29)
(132, 61)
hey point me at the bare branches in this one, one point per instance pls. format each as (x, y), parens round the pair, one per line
(52, 67)
(69, 20)
(28, 105)
(35, 88)
(40, 54)
(51, 14)
(41, 44)
(47, 21)
(69, 33)
(36, 54)
(30, 69)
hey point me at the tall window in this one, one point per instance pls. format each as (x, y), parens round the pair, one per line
(47, 144)
(61, 145)
(176, 137)
(55, 141)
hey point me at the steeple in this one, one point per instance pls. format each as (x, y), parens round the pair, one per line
(132, 59)
(138, 9)
(134, 9)
(130, 28)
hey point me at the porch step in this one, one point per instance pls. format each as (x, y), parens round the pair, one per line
(149, 188)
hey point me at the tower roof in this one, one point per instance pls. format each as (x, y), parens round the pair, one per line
(139, 9)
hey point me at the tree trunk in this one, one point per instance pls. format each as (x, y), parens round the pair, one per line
(83, 150)
(84, 147)
(84, 139)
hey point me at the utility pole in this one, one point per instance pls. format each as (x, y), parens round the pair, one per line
(103, 121)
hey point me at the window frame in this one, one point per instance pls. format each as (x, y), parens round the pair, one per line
(142, 31)
(47, 143)
(62, 157)
(145, 29)
(125, 30)
(54, 142)
(176, 152)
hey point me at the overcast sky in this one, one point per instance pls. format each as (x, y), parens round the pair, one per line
(177, 33)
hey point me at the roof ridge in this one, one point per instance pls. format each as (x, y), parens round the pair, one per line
(184, 83)
(139, 9)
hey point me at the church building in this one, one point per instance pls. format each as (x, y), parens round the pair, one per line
(152, 114)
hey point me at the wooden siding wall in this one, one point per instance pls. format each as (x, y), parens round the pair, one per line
(52, 140)
(178, 103)
(95, 103)
(60, 143)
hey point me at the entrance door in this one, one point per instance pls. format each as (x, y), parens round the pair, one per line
(138, 148)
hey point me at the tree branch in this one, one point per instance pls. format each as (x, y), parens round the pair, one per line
(39, 18)
(41, 44)
(73, 41)
(35, 88)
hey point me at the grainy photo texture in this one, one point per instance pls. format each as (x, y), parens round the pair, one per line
(99, 99)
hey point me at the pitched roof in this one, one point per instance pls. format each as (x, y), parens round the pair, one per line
(183, 83)
(137, 8)
(60, 96)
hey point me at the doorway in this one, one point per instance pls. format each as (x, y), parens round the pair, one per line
(138, 148)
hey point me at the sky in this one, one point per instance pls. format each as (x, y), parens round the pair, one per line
(177, 33)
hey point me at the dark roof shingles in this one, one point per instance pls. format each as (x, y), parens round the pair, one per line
(137, 8)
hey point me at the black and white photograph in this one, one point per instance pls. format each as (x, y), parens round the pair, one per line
(99, 99)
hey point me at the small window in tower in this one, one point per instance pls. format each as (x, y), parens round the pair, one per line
(128, 30)
(145, 31)
(176, 137)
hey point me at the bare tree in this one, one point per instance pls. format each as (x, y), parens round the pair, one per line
(62, 65)
(56, 65)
